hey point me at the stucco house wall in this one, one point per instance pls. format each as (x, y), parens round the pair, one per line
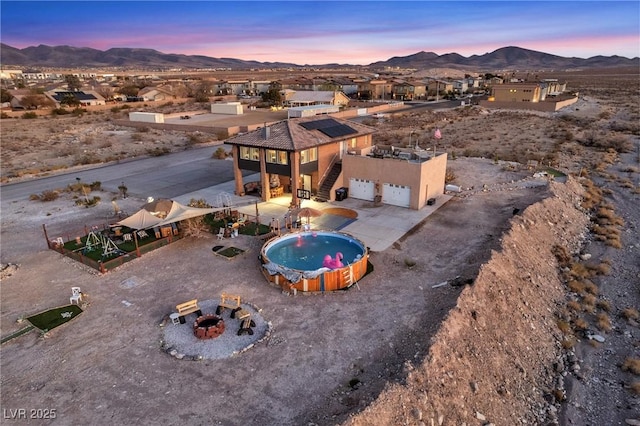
(425, 179)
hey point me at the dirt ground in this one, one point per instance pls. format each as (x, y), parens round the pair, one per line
(397, 349)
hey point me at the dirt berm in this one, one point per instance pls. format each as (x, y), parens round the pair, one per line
(497, 356)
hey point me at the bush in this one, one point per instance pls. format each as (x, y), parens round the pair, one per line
(219, 154)
(29, 115)
(45, 196)
(88, 202)
(59, 111)
(632, 365)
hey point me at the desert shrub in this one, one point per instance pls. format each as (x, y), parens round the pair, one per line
(219, 154)
(562, 255)
(47, 195)
(588, 302)
(86, 158)
(605, 305)
(4, 115)
(194, 139)
(568, 343)
(630, 313)
(576, 286)
(142, 129)
(88, 202)
(632, 365)
(157, 151)
(603, 322)
(409, 263)
(580, 324)
(29, 115)
(579, 270)
(136, 137)
(635, 387)
(95, 186)
(590, 287)
(78, 112)
(59, 111)
(449, 176)
(574, 305)
(564, 327)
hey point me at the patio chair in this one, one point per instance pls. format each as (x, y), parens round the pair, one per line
(221, 234)
(126, 237)
(76, 296)
(142, 234)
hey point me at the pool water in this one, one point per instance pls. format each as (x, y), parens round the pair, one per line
(305, 251)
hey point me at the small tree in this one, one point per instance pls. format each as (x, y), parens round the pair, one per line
(195, 227)
(5, 96)
(73, 82)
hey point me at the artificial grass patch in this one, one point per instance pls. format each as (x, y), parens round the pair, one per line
(48, 320)
(230, 252)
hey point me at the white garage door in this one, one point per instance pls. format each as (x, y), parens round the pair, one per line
(396, 195)
(361, 189)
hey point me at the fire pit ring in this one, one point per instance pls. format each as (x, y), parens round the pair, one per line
(208, 326)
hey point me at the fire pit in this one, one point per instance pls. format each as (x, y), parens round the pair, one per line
(208, 326)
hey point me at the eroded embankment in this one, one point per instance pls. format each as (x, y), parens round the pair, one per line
(492, 361)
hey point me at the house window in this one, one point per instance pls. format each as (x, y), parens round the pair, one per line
(308, 155)
(248, 153)
(276, 157)
(283, 158)
(354, 142)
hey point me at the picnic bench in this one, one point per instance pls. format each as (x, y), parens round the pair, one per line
(233, 302)
(187, 308)
(245, 322)
(229, 301)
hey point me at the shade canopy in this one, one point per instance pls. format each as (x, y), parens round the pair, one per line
(143, 219)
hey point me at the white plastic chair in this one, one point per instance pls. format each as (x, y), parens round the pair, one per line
(142, 234)
(221, 234)
(76, 296)
(127, 237)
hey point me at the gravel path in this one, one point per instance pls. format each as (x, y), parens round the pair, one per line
(179, 340)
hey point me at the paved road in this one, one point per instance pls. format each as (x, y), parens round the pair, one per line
(166, 176)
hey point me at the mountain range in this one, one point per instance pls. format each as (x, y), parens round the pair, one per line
(84, 57)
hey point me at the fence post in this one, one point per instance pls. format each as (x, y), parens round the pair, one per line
(44, 228)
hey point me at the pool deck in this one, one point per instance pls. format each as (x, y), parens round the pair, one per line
(377, 226)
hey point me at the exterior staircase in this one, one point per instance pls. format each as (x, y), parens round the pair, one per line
(324, 193)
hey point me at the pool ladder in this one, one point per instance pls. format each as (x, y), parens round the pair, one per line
(347, 275)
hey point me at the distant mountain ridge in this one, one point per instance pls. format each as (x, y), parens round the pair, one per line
(84, 57)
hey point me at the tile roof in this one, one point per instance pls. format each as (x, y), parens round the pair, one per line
(290, 135)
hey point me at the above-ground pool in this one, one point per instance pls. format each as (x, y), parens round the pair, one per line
(314, 260)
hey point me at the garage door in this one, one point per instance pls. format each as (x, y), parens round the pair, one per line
(361, 189)
(396, 195)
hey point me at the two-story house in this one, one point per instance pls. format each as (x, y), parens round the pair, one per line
(297, 153)
(318, 155)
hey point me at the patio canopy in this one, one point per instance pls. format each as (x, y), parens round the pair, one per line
(145, 220)
(180, 212)
(142, 219)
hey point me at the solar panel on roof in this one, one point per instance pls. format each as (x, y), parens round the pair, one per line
(319, 124)
(338, 130)
(81, 96)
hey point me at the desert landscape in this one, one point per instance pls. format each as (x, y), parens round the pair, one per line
(537, 322)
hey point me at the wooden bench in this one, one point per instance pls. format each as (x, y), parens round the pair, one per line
(187, 308)
(245, 322)
(229, 301)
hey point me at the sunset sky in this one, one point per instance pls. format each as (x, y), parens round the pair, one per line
(321, 32)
